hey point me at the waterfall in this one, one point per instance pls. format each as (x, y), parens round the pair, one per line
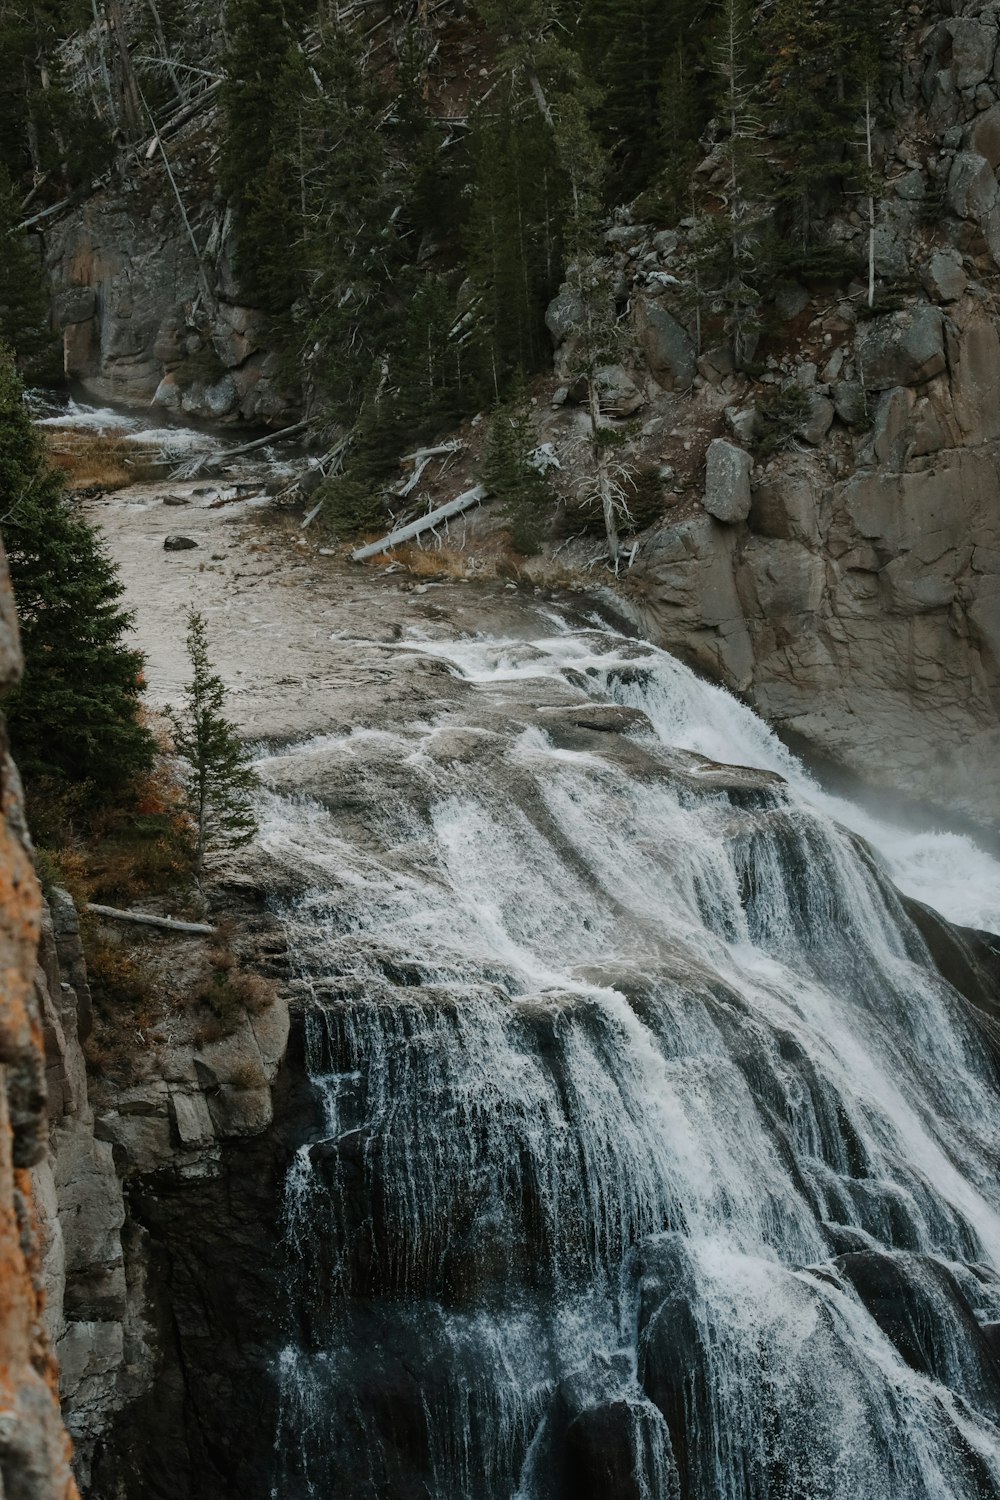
(652, 1156)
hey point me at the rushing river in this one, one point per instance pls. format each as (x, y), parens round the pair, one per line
(652, 1155)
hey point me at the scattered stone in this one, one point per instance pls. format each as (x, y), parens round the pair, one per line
(716, 364)
(179, 543)
(818, 422)
(742, 423)
(911, 186)
(790, 299)
(176, 500)
(222, 398)
(168, 394)
(619, 394)
(727, 481)
(833, 367)
(665, 242)
(943, 277)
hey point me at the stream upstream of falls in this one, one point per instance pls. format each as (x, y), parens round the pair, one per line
(652, 1157)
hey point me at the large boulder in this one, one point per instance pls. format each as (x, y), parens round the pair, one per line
(943, 277)
(564, 314)
(666, 344)
(972, 186)
(619, 394)
(727, 481)
(903, 348)
(983, 135)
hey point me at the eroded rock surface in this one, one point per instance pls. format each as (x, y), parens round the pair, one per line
(34, 1446)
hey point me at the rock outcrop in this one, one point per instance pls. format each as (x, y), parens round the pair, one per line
(141, 318)
(151, 1258)
(858, 604)
(848, 582)
(34, 1446)
(137, 1219)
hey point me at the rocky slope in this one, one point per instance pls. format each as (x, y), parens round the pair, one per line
(847, 587)
(34, 1447)
(137, 1210)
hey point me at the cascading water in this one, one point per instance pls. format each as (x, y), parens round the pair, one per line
(653, 1157)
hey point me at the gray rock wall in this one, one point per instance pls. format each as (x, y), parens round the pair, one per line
(855, 600)
(136, 1179)
(143, 319)
(863, 612)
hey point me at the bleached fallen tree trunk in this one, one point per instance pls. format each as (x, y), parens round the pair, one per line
(147, 919)
(425, 523)
(193, 468)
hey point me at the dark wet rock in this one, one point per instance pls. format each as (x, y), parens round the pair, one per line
(178, 543)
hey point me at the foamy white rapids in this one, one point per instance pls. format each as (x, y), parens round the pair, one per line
(651, 1158)
(81, 417)
(946, 870)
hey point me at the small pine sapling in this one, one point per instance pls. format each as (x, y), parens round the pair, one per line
(220, 781)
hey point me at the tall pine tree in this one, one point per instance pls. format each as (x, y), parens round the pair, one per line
(219, 779)
(74, 719)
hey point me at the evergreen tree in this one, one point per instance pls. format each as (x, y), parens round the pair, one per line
(46, 131)
(265, 78)
(681, 117)
(219, 781)
(513, 241)
(626, 45)
(24, 306)
(520, 488)
(74, 719)
(355, 195)
(825, 73)
(734, 241)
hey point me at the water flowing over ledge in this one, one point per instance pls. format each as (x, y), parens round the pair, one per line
(652, 1156)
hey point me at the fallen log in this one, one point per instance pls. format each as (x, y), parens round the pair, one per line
(425, 523)
(147, 919)
(191, 469)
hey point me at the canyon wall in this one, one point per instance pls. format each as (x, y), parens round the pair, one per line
(34, 1446)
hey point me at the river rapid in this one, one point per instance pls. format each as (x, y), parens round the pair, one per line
(651, 1153)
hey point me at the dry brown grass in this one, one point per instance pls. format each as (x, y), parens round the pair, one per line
(247, 1075)
(433, 562)
(98, 460)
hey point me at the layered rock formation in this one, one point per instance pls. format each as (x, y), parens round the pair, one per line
(858, 603)
(34, 1446)
(151, 1254)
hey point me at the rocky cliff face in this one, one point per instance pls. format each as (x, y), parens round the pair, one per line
(136, 1221)
(142, 317)
(847, 587)
(34, 1446)
(157, 1204)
